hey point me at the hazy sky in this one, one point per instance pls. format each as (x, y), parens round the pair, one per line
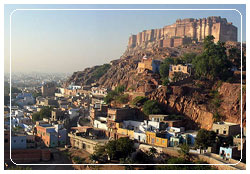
(68, 41)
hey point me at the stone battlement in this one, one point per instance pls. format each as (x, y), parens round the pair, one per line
(196, 29)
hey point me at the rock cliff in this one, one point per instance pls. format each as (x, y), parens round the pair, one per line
(193, 103)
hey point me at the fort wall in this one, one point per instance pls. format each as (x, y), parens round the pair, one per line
(195, 29)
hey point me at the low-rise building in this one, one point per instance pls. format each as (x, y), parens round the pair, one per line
(51, 135)
(140, 137)
(148, 64)
(127, 132)
(98, 91)
(185, 70)
(230, 152)
(87, 138)
(157, 117)
(98, 111)
(153, 139)
(101, 123)
(18, 141)
(226, 128)
(48, 89)
(115, 115)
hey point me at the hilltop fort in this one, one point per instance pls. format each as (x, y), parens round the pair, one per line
(185, 31)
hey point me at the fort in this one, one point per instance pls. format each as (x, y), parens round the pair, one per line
(185, 31)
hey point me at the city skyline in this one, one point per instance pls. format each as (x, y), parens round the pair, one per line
(69, 41)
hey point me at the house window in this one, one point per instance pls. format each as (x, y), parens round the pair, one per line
(14, 141)
(152, 140)
(163, 141)
(21, 140)
(217, 131)
(6, 140)
(224, 132)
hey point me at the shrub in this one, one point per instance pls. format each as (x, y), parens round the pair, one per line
(78, 160)
(151, 107)
(139, 100)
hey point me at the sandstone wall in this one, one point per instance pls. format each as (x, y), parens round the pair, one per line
(196, 29)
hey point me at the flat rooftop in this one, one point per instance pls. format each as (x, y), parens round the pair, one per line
(226, 123)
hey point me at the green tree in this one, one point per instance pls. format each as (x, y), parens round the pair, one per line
(188, 57)
(78, 160)
(116, 94)
(164, 67)
(151, 107)
(114, 149)
(110, 96)
(213, 62)
(45, 112)
(122, 99)
(120, 89)
(205, 138)
(111, 149)
(184, 151)
(99, 154)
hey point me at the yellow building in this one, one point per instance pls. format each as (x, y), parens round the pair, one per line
(157, 141)
(129, 133)
(184, 69)
(148, 64)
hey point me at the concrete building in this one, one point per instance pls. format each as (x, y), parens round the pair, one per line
(98, 110)
(153, 139)
(115, 115)
(23, 99)
(18, 141)
(185, 70)
(148, 64)
(157, 117)
(99, 91)
(58, 114)
(140, 137)
(49, 101)
(87, 139)
(226, 128)
(230, 152)
(51, 135)
(101, 123)
(48, 89)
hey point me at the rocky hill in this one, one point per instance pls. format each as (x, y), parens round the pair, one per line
(191, 99)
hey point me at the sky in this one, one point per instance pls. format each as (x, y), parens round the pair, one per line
(69, 41)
